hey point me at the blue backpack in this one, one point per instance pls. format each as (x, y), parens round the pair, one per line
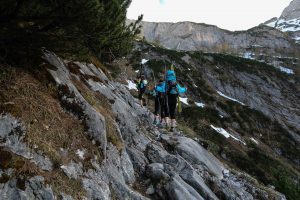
(171, 75)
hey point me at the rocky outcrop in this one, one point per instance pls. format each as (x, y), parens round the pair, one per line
(292, 11)
(189, 36)
(152, 164)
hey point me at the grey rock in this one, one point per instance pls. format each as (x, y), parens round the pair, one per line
(177, 189)
(175, 164)
(150, 190)
(42, 161)
(12, 134)
(94, 120)
(96, 189)
(34, 189)
(291, 11)
(72, 170)
(195, 153)
(65, 197)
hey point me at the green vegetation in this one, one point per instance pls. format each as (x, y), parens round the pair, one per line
(73, 28)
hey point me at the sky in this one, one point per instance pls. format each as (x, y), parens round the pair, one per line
(227, 14)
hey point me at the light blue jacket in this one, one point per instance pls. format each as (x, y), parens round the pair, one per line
(178, 90)
(161, 87)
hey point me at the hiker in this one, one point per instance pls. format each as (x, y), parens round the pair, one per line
(141, 86)
(159, 91)
(173, 89)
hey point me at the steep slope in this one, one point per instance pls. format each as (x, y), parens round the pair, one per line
(86, 137)
(253, 104)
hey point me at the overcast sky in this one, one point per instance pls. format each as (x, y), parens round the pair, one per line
(226, 14)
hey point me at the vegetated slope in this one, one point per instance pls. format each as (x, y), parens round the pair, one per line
(70, 132)
(263, 112)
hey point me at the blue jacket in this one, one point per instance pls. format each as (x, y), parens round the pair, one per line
(161, 87)
(171, 75)
(178, 90)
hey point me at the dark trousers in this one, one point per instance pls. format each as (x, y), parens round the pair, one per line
(172, 102)
(160, 106)
(141, 92)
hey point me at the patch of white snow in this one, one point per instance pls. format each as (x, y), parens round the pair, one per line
(144, 61)
(131, 85)
(80, 153)
(201, 105)
(286, 70)
(254, 140)
(184, 100)
(226, 134)
(232, 99)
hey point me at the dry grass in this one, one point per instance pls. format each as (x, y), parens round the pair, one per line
(95, 61)
(49, 127)
(102, 105)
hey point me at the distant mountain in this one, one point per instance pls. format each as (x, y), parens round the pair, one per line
(289, 21)
(189, 36)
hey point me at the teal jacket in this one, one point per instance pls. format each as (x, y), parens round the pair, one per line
(177, 90)
(161, 87)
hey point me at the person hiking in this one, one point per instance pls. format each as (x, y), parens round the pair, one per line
(173, 89)
(141, 86)
(159, 91)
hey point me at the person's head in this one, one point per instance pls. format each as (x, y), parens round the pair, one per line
(161, 77)
(142, 77)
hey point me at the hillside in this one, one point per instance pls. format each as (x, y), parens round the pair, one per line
(71, 127)
(71, 132)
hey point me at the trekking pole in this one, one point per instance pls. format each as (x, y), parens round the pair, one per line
(166, 89)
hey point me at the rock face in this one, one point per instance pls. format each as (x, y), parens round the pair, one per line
(188, 36)
(152, 164)
(292, 11)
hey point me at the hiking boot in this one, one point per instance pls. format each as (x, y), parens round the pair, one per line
(162, 124)
(156, 120)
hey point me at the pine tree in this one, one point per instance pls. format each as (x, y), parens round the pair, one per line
(69, 26)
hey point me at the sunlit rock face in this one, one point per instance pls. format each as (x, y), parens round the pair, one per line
(189, 36)
(292, 11)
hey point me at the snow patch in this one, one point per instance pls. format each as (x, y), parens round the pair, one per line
(184, 100)
(131, 85)
(144, 61)
(248, 55)
(80, 153)
(254, 140)
(195, 85)
(201, 105)
(227, 97)
(286, 70)
(137, 71)
(286, 25)
(226, 134)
